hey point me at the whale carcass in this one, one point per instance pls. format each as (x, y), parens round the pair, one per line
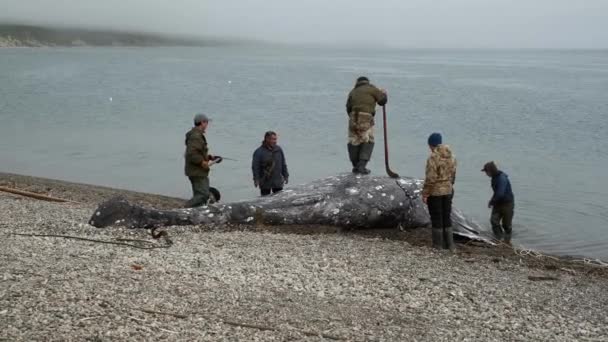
(345, 200)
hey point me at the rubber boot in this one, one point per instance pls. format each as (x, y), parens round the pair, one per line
(448, 239)
(437, 237)
(353, 155)
(497, 232)
(214, 195)
(364, 156)
(507, 238)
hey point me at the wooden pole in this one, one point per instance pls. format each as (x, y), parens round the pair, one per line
(34, 195)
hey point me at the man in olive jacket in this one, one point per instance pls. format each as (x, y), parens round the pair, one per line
(361, 109)
(198, 161)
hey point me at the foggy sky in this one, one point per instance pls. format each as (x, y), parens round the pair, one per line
(399, 23)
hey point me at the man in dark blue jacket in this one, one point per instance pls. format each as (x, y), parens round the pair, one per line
(269, 166)
(502, 202)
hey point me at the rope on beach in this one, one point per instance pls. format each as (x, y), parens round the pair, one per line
(530, 252)
(586, 261)
(35, 195)
(595, 262)
(142, 243)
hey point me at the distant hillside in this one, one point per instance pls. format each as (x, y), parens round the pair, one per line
(35, 36)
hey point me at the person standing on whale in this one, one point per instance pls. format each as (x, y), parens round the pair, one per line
(361, 109)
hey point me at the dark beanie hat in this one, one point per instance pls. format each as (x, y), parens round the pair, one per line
(435, 139)
(362, 79)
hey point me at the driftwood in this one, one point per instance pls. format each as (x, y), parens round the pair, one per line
(34, 195)
(541, 278)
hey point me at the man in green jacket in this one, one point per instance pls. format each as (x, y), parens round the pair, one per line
(198, 161)
(361, 109)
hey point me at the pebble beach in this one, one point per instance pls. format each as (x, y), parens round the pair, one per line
(80, 283)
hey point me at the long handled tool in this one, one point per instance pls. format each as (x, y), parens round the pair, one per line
(388, 169)
(226, 158)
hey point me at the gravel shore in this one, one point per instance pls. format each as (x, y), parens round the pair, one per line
(226, 283)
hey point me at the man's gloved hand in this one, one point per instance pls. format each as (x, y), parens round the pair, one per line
(215, 159)
(286, 180)
(205, 164)
(255, 183)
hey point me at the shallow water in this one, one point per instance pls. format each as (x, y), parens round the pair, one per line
(117, 117)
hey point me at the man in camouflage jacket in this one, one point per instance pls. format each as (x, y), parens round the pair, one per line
(438, 191)
(361, 109)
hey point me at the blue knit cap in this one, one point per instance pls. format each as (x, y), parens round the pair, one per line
(435, 139)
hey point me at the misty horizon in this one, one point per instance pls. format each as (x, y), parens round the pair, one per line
(460, 24)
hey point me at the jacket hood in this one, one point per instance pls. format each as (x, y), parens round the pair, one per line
(191, 132)
(360, 83)
(443, 152)
(274, 148)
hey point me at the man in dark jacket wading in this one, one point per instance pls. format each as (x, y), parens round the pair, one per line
(502, 202)
(269, 166)
(198, 161)
(361, 109)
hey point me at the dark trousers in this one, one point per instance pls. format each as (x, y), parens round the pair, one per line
(440, 209)
(266, 192)
(200, 192)
(502, 213)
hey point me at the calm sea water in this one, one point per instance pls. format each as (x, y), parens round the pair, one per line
(117, 117)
